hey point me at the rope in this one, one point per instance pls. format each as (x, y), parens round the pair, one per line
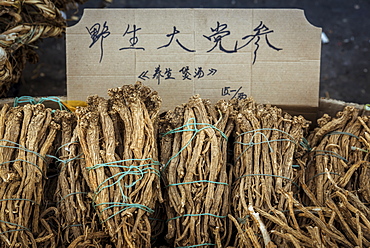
(195, 130)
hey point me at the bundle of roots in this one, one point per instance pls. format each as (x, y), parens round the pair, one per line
(118, 139)
(230, 174)
(195, 173)
(266, 141)
(27, 135)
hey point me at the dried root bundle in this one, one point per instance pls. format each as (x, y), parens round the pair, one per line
(276, 189)
(337, 144)
(79, 223)
(336, 182)
(27, 135)
(264, 175)
(118, 139)
(195, 174)
(331, 210)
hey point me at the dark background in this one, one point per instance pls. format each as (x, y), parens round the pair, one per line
(345, 61)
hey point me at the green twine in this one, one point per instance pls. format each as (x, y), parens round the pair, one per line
(132, 170)
(195, 245)
(20, 147)
(345, 133)
(66, 144)
(33, 101)
(66, 160)
(138, 170)
(270, 175)
(15, 230)
(199, 181)
(207, 125)
(250, 144)
(195, 130)
(256, 132)
(191, 215)
(61, 161)
(269, 129)
(74, 225)
(25, 161)
(329, 153)
(323, 173)
(125, 206)
(353, 148)
(243, 220)
(24, 99)
(304, 143)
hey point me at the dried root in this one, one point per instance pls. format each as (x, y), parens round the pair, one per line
(118, 139)
(331, 210)
(194, 151)
(79, 223)
(274, 189)
(336, 177)
(27, 136)
(264, 149)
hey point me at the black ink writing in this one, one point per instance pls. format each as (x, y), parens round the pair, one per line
(134, 39)
(199, 73)
(219, 33)
(158, 74)
(168, 74)
(185, 73)
(242, 95)
(97, 33)
(260, 30)
(172, 35)
(143, 75)
(235, 93)
(212, 72)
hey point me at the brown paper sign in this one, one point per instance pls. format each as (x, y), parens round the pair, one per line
(272, 55)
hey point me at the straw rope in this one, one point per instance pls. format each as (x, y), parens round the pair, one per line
(22, 24)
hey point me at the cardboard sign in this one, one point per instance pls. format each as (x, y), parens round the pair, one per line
(272, 55)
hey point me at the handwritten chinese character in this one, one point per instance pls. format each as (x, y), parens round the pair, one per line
(143, 75)
(225, 91)
(134, 39)
(219, 33)
(211, 72)
(172, 35)
(158, 74)
(96, 34)
(185, 73)
(168, 74)
(260, 30)
(199, 73)
(242, 96)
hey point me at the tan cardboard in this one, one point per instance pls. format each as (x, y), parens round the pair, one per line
(182, 52)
